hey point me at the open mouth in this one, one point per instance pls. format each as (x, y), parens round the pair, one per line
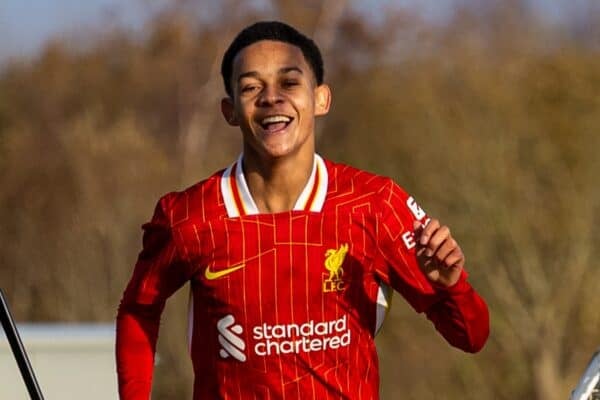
(275, 123)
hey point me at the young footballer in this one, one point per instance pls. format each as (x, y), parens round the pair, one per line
(291, 257)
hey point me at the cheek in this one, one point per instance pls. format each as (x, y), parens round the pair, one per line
(306, 107)
(244, 111)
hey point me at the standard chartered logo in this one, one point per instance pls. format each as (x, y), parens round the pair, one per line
(231, 343)
(301, 338)
(283, 338)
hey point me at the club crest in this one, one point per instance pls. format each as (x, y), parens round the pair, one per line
(334, 258)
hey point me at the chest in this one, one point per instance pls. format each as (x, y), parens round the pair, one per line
(295, 260)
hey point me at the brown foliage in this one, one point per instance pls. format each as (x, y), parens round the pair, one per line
(490, 120)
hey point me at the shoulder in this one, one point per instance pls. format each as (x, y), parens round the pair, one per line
(355, 187)
(199, 201)
(345, 179)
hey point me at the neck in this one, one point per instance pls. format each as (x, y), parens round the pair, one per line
(276, 184)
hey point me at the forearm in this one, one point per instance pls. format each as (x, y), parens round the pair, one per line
(137, 332)
(461, 316)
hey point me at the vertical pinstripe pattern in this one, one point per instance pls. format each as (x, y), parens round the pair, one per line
(268, 273)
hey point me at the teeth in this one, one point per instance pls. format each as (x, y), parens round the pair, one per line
(275, 119)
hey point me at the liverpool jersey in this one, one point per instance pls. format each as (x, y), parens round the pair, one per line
(285, 305)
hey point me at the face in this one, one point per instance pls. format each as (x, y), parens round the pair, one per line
(275, 100)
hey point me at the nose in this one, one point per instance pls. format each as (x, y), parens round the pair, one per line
(269, 96)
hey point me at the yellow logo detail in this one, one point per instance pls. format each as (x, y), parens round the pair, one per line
(210, 275)
(334, 258)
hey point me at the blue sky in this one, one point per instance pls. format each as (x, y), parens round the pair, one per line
(26, 24)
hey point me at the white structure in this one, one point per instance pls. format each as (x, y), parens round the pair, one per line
(588, 387)
(70, 361)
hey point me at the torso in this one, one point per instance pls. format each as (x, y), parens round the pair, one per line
(284, 305)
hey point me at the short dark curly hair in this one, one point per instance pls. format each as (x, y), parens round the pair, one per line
(271, 30)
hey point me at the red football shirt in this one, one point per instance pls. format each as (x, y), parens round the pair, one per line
(286, 305)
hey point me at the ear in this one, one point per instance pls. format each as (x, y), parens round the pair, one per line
(322, 99)
(228, 111)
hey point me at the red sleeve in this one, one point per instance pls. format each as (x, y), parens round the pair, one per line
(458, 312)
(158, 273)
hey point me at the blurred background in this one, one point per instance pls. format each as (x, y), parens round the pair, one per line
(487, 111)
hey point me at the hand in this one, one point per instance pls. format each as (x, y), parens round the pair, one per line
(438, 254)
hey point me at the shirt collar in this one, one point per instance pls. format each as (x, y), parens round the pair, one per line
(239, 201)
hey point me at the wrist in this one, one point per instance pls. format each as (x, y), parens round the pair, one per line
(459, 286)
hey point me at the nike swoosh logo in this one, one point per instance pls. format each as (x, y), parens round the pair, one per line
(210, 275)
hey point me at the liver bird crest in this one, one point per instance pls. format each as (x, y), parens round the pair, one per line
(334, 260)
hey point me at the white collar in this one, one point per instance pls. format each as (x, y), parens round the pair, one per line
(239, 201)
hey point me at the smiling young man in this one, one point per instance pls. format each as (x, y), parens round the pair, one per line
(291, 257)
(274, 98)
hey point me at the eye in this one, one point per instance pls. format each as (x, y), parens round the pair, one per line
(289, 83)
(249, 88)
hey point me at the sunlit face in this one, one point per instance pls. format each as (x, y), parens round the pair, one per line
(275, 100)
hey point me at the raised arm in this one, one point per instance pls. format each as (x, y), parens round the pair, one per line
(422, 261)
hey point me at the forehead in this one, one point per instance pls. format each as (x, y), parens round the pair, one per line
(268, 56)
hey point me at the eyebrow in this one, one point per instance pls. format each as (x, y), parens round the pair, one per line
(255, 74)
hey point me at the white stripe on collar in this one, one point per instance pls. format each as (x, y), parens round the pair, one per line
(227, 192)
(321, 193)
(247, 200)
(248, 206)
(319, 174)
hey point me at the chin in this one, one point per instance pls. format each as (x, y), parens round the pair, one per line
(277, 149)
(277, 153)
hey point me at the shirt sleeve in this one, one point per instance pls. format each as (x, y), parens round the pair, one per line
(158, 273)
(457, 312)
